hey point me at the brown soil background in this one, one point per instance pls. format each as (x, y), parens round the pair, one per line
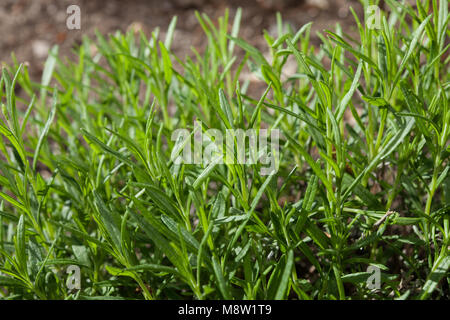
(29, 28)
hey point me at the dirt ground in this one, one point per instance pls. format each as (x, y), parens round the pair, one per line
(29, 28)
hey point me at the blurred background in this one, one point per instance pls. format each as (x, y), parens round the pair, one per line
(29, 28)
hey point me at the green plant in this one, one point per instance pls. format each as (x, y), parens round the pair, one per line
(87, 177)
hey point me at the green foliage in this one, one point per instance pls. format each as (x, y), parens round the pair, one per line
(86, 176)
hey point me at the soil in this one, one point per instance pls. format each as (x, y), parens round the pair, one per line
(29, 28)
